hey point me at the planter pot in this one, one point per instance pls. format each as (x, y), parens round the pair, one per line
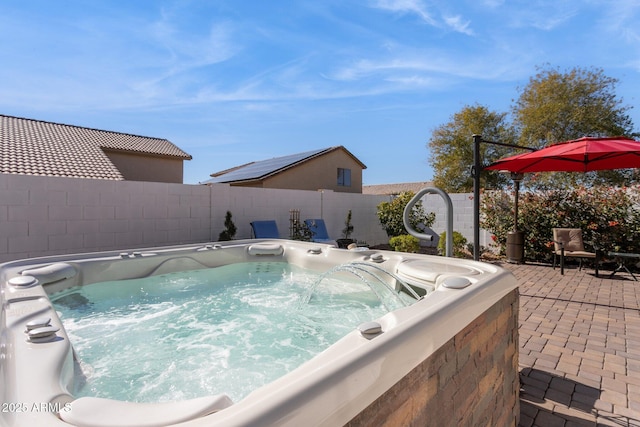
(343, 243)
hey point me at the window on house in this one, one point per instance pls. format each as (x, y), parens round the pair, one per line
(344, 177)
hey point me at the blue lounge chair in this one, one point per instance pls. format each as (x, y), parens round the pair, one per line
(319, 231)
(265, 230)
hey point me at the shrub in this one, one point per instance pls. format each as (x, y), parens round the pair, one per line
(609, 218)
(348, 227)
(390, 215)
(459, 244)
(230, 229)
(497, 217)
(405, 243)
(300, 231)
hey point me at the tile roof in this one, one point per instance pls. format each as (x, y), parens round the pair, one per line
(34, 147)
(265, 168)
(393, 189)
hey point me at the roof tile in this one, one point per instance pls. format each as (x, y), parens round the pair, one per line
(43, 148)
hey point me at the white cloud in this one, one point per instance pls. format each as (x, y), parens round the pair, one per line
(457, 24)
(544, 15)
(417, 7)
(621, 19)
(407, 6)
(190, 49)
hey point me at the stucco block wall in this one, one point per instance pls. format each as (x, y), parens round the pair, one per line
(470, 381)
(462, 216)
(42, 216)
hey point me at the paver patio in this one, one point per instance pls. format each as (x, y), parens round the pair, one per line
(579, 347)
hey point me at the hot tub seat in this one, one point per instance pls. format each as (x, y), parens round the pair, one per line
(99, 412)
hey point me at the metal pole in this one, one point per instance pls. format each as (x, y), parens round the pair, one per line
(475, 173)
(515, 211)
(477, 167)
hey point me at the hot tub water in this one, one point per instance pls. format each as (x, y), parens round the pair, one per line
(227, 330)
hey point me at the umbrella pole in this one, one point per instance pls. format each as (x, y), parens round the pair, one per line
(515, 239)
(515, 211)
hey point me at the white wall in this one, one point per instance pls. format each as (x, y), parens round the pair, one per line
(42, 216)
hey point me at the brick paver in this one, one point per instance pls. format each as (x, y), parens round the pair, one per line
(579, 347)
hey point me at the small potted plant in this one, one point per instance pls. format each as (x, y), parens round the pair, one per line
(346, 233)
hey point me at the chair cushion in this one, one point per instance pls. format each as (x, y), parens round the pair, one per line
(579, 254)
(571, 237)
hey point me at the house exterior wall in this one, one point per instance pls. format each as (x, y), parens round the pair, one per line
(42, 216)
(320, 172)
(136, 167)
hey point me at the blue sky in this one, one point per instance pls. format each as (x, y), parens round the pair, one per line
(235, 81)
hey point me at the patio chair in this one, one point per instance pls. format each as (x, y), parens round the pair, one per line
(568, 243)
(319, 231)
(265, 229)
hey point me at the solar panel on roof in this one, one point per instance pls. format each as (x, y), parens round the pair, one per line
(262, 168)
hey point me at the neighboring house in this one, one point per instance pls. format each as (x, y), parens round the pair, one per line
(34, 147)
(395, 189)
(333, 168)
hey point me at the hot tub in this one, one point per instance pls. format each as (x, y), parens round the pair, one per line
(454, 345)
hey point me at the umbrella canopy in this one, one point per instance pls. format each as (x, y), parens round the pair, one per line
(580, 155)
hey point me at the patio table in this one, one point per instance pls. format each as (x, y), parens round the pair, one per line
(622, 258)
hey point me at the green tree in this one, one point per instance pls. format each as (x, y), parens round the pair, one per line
(554, 106)
(559, 106)
(451, 147)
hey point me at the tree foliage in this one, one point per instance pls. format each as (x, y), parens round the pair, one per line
(557, 106)
(554, 106)
(451, 146)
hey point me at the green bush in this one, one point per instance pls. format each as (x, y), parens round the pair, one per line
(459, 244)
(230, 229)
(300, 231)
(348, 227)
(609, 218)
(390, 215)
(405, 243)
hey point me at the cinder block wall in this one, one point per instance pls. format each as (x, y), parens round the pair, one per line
(42, 216)
(470, 381)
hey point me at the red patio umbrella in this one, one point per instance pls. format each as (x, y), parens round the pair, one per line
(580, 155)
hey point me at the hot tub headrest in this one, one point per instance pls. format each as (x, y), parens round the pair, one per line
(265, 249)
(427, 271)
(99, 412)
(51, 273)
